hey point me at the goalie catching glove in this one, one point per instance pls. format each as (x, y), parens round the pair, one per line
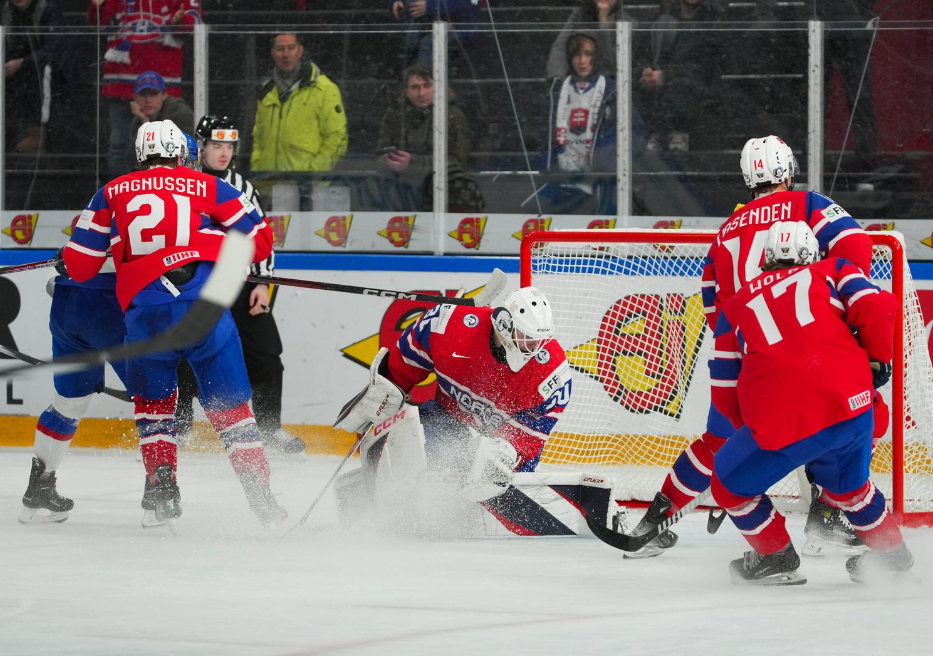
(380, 399)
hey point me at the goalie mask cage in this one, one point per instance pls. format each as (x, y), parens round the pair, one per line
(628, 312)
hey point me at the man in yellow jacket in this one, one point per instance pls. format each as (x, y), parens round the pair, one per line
(300, 124)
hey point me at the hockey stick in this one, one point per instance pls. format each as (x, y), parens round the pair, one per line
(497, 280)
(19, 355)
(356, 445)
(16, 268)
(630, 543)
(218, 293)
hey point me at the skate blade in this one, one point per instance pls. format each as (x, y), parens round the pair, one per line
(37, 516)
(648, 551)
(820, 548)
(172, 524)
(790, 578)
(149, 520)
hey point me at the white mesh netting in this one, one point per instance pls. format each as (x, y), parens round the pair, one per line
(630, 318)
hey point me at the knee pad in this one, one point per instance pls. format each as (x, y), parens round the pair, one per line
(73, 408)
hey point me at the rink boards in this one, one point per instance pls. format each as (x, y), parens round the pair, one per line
(329, 338)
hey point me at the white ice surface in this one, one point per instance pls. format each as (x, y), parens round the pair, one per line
(100, 584)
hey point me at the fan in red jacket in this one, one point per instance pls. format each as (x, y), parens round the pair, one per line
(794, 379)
(165, 226)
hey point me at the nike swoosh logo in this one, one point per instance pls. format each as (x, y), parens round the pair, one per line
(457, 355)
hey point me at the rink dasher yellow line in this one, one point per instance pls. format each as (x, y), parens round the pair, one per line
(121, 434)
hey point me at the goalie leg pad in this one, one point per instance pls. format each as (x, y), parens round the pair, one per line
(401, 459)
(380, 399)
(550, 504)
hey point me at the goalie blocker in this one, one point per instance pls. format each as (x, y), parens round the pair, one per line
(394, 470)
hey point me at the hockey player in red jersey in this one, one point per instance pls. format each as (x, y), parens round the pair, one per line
(791, 372)
(165, 225)
(735, 257)
(499, 371)
(502, 382)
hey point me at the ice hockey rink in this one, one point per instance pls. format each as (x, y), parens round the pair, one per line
(100, 584)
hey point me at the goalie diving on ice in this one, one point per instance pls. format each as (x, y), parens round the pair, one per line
(502, 382)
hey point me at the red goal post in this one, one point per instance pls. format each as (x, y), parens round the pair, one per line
(628, 313)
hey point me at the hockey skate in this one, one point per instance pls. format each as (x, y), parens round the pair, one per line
(775, 569)
(263, 502)
(162, 500)
(657, 513)
(283, 442)
(41, 495)
(874, 565)
(828, 531)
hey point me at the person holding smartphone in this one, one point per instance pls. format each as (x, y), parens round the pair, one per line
(405, 150)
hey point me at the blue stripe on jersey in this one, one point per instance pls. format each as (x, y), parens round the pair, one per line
(755, 518)
(725, 369)
(535, 422)
(740, 340)
(226, 192)
(410, 353)
(855, 285)
(831, 229)
(708, 294)
(92, 239)
(722, 325)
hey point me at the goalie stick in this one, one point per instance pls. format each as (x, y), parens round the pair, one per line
(356, 445)
(218, 293)
(496, 284)
(16, 268)
(19, 355)
(630, 543)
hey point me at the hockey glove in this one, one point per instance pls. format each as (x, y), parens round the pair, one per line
(59, 260)
(880, 373)
(380, 399)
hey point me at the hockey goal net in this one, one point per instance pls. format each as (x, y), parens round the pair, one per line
(628, 312)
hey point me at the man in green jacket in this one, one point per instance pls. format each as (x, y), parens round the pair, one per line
(300, 124)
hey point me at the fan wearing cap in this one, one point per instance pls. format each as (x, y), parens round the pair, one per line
(150, 103)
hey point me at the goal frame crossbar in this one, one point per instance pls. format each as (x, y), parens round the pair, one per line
(898, 260)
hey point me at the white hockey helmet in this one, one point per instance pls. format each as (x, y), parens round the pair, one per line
(524, 325)
(160, 139)
(768, 161)
(790, 243)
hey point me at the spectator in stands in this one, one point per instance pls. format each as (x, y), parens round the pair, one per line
(589, 14)
(678, 73)
(301, 124)
(143, 35)
(419, 44)
(152, 103)
(849, 51)
(582, 136)
(27, 67)
(405, 149)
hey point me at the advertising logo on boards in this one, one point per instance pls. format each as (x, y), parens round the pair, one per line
(469, 231)
(279, 224)
(398, 230)
(533, 225)
(22, 228)
(336, 230)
